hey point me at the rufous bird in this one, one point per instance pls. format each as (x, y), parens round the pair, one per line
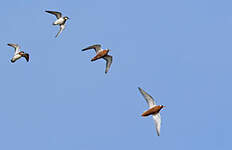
(101, 53)
(153, 110)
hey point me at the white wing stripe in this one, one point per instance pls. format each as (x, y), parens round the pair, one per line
(157, 119)
(61, 29)
(150, 101)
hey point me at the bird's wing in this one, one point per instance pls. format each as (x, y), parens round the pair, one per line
(26, 56)
(15, 46)
(96, 47)
(148, 98)
(56, 13)
(61, 29)
(108, 60)
(157, 119)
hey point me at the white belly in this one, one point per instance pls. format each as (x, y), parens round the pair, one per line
(16, 57)
(59, 21)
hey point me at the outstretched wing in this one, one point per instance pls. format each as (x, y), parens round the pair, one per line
(56, 13)
(96, 47)
(157, 119)
(108, 60)
(150, 101)
(15, 46)
(61, 29)
(26, 56)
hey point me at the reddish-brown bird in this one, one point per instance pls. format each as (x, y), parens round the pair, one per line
(101, 53)
(153, 109)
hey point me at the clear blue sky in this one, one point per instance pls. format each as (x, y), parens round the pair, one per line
(178, 51)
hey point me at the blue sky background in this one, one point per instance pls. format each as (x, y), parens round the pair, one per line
(178, 51)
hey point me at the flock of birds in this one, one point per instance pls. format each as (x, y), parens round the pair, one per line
(154, 110)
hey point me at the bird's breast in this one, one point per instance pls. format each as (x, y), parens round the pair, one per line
(153, 110)
(59, 21)
(101, 54)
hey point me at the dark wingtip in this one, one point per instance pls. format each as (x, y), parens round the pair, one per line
(93, 59)
(84, 49)
(27, 57)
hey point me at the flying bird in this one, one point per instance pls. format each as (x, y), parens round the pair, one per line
(153, 110)
(101, 53)
(60, 20)
(18, 54)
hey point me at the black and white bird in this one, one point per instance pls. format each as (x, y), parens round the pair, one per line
(18, 54)
(60, 20)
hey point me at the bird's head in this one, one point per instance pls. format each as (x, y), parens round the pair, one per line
(66, 18)
(21, 52)
(162, 106)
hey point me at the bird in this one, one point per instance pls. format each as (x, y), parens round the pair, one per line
(60, 20)
(101, 53)
(153, 110)
(18, 54)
